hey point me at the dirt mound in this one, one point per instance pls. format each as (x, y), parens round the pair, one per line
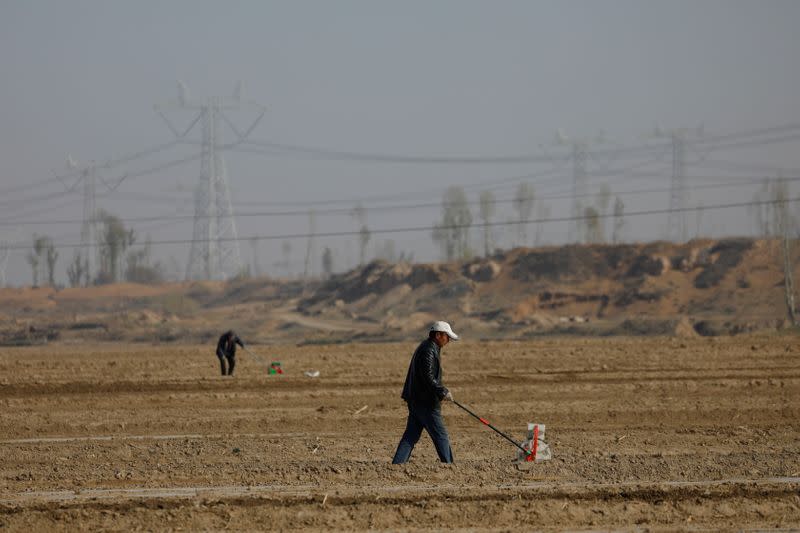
(482, 270)
(704, 286)
(378, 277)
(116, 290)
(684, 328)
(644, 289)
(27, 335)
(725, 256)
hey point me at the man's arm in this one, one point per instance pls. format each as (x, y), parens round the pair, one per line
(429, 374)
(238, 341)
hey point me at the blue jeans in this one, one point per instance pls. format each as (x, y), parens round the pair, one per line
(429, 419)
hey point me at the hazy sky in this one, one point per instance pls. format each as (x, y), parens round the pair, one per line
(411, 78)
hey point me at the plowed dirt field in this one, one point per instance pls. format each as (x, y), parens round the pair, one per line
(656, 434)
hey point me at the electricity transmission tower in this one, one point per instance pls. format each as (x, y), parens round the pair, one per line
(676, 224)
(9, 240)
(88, 254)
(5, 251)
(214, 252)
(89, 243)
(311, 247)
(677, 229)
(578, 155)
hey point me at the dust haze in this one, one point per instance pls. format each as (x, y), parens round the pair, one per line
(347, 129)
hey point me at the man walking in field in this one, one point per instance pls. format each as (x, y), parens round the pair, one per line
(226, 349)
(423, 392)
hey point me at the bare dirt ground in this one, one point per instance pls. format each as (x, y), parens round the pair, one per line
(648, 434)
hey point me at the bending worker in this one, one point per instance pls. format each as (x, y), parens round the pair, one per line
(226, 349)
(423, 392)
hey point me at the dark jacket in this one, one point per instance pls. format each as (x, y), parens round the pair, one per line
(424, 379)
(226, 346)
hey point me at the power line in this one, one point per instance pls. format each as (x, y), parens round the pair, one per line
(348, 211)
(547, 175)
(410, 158)
(321, 152)
(141, 153)
(744, 167)
(414, 229)
(324, 153)
(21, 202)
(757, 142)
(156, 168)
(751, 133)
(345, 155)
(394, 196)
(29, 186)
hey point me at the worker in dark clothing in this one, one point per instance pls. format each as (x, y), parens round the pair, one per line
(423, 392)
(226, 349)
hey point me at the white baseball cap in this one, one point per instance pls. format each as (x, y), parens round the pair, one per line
(444, 327)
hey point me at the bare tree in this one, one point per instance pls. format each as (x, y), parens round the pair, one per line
(42, 259)
(254, 242)
(52, 257)
(4, 254)
(760, 210)
(603, 202)
(33, 261)
(452, 234)
(698, 218)
(769, 207)
(286, 250)
(359, 212)
(788, 276)
(140, 268)
(364, 236)
(523, 205)
(773, 218)
(312, 231)
(543, 213)
(36, 258)
(594, 231)
(619, 220)
(327, 262)
(488, 206)
(115, 241)
(78, 271)
(782, 223)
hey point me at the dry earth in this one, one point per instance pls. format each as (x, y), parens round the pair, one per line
(648, 434)
(703, 287)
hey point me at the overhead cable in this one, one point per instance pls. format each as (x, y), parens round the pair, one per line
(416, 229)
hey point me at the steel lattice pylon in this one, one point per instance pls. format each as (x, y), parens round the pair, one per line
(676, 224)
(89, 250)
(214, 252)
(5, 252)
(677, 229)
(578, 157)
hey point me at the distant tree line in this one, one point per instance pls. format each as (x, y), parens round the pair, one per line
(452, 233)
(119, 258)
